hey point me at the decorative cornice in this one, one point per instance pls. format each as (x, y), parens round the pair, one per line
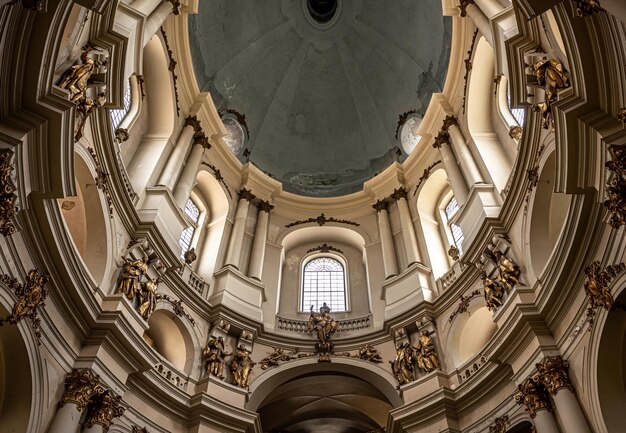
(463, 4)
(321, 220)
(30, 296)
(533, 397)
(552, 373)
(402, 118)
(464, 302)
(597, 287)
(616, 187)
(425, 175)
(325, 248)
(8, 209)
(172, 68)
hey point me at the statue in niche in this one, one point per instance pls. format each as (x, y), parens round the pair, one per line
(214, 355)
(129, 282)
(241, 366)
(148, 298)
(77, 77)
(402, 365)
(324, 326)
(551, 74)
(370, 353)
(509, 270)
(427, 359)
(493, 291)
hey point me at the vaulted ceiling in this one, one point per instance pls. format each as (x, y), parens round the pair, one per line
(321, 83)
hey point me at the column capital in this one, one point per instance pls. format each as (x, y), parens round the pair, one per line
(264, 206)
(448, 122)
(380, 205)
(193, 122)
(463, 4)
(533, 396)
(552, 373)
(80, 387)
(246, 194)
(399, 194)
(442, 138)
(104, 409)
(200, 138)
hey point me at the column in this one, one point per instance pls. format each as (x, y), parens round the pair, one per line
(469, 8)
(390, 261)
(536, 401)
(457, 183)
(235, 243)
(174, 164)
(464, 155)
(553, 374)
(80, 386)
(188, 176)
(102, 410)
(157, 18)
(408, 230)
(257, 255)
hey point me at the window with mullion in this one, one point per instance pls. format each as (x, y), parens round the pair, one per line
(323, 281)
(192, 214)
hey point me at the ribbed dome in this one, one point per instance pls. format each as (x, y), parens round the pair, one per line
(321, 83)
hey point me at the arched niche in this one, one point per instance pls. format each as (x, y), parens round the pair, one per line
(607, 364)
(16, 381)
(548, 212)
(301, 244)
(470, 332)
(480, 116)
(86, 218)
(212, 195)
(354, 392)
(171, 339)
(428, 201)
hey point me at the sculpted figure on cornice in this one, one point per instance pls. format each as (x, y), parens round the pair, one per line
(402, 365)
(548, 74)
(493, 290)
(148, 298)
(214, 355)
(509, 270)
(129, 282)
(324, 326)
(370, 353)
(241, 366)
(84, 107)
(276, 357)
(427, 359)
(77, 77)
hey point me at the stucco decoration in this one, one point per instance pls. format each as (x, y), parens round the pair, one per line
(321, 96)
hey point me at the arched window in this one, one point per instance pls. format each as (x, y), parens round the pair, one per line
(457, 234)
(324, 280)
(192, 214)
(118, 115)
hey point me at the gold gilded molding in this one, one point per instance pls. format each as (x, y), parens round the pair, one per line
(553, 375)
(533, 397)
(240, 366)
(80, 387)
(616, 187)
(8, 209)
(515, 132)
(596, 287)
(277, 356)
(30, 295)
(500, 424)
(103, 409)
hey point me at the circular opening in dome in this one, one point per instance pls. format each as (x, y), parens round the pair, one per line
(409, 136)
(322, 11)
(235, 136)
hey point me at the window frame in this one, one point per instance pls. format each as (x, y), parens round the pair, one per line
(447, 222)
(196, 225)
(308, 259)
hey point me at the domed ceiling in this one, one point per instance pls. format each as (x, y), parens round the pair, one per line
(321, 83)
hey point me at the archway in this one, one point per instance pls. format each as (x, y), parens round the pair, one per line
(169, 337)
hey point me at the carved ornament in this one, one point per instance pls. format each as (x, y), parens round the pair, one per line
(137, 429)
(102, 181)
(324, 326)
(597, 287)
(264, 206)
(175, 6)
(214, 355)
(463, 4)
(321, 220)
(277, 356)
(141, 82)
(548, 74)
(240, 367)
(30, 295)
(464, 302)
(402, 120)
(400, 193)
(380, 205)
(369, 353)
(621, 116)
(246, 194)
(325, 248)
(448, 122)
(468, 64)
(500, 424)
(8, 209)
(454, 252)
(553, 375)
(217, 174)
(241, 119)
(585, 8)
(122, 135)
(515, 132)
(425, 175)
(616, 187)
(104, 408)
(172, 68)
(190, 256)
(80, 387)
(194, 122)
(533, 397)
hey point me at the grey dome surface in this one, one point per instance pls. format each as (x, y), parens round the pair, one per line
(321, 100)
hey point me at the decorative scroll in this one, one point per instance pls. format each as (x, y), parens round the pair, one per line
(616, 187)
(468, 60)
(102, 180)
(427, 172)
(402, 120)
(8, 209)
(597, 290)
(321, 220)
(325, 248)
(464, 302)
(500, 424)
(172, 68)
(30, 296)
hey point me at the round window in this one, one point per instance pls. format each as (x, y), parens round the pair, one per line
(235, 136)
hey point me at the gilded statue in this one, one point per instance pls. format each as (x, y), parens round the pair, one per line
(214, 355)
(76, 78)
(509, 270)
(148, 298)
(402, 365)
(241, 366)
(370, 353)
(84, 107)
(322, 324)
(549, 75)
(129, 282)
(274, 358)
(493, 290)
(427, 359)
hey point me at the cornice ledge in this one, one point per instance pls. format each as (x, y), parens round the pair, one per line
(211, 411)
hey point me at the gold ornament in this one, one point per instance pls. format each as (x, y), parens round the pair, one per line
(616, 187)
(370, 353)
(509, 270)
(427, 359)
(80, 387)
(515, 132)
(241, 366)
(499, 424)
(276, 357)
(8, 209)
(103, 409)
(148, 298)
(324, 326)
(129, 282)
(596, 287)
(493, 291)
(532, 396)
(214, 355)
(549, 75)
(402, 365)
(553, 375)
